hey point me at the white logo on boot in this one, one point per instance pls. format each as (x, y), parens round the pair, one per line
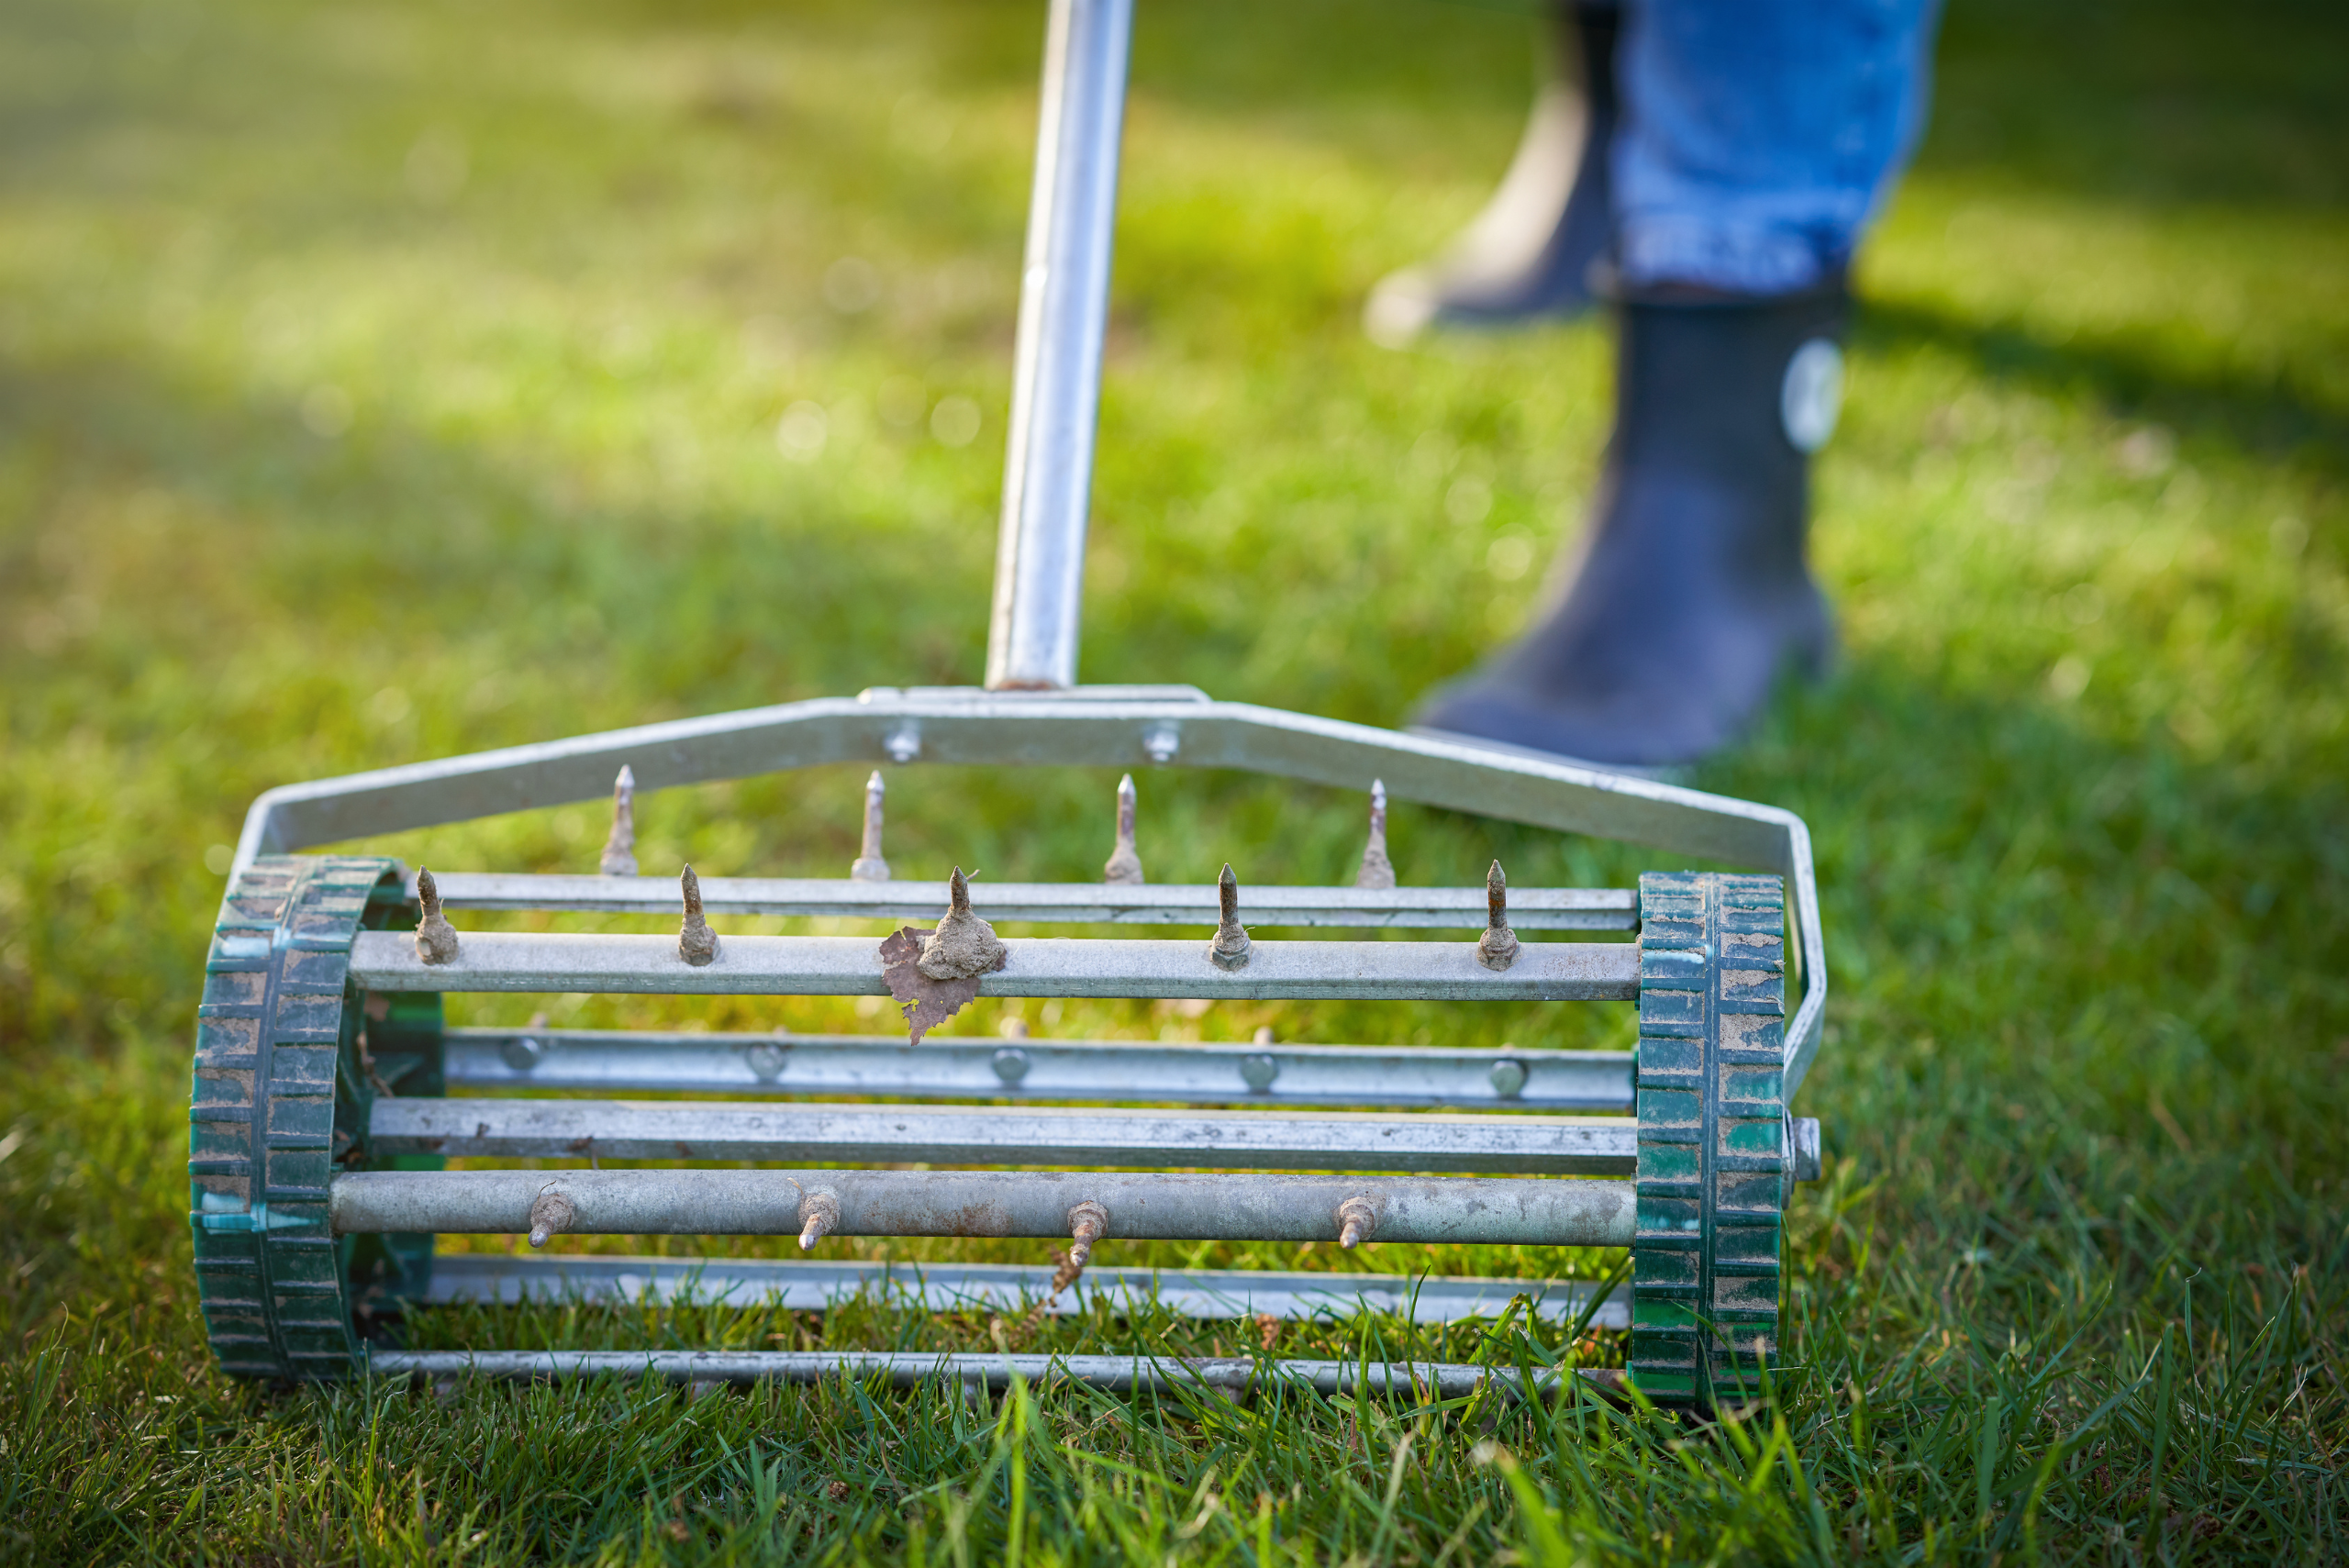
(1812, 394)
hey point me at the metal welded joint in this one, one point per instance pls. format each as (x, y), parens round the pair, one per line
(1496, 949)
(697, 943)
(1229, 948)
(435, 940)
(869, 866)
(619, 849)
(1356, 1220)
(1124, 865)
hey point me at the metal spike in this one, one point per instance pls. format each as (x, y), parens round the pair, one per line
(697, 943)
(819, 1215)
(869, 866)
(619, 849)
(1377, 870)
(435, 940)
(1087, 1223)
(552, 1214)
(1124, 867)
(1496, 949)
(1229, 948)
(964, 946)
(1356, 1220)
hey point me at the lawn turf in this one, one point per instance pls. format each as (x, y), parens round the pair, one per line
(384, 382)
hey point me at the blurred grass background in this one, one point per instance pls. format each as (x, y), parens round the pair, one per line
(379, 382)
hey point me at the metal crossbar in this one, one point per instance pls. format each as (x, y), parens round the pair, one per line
(1262, 1072)
(1096, 904)
(599, 1279)
(853, 966)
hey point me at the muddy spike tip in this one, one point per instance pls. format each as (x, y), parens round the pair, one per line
(1376, 870)
(619, 849)
(869, 866)
(697, 943)
(1229, 948)
(1496, 949)
(963, 947)
(435, 940)
(1124, 865)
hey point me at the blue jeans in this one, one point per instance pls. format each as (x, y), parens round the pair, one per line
(1760, 137)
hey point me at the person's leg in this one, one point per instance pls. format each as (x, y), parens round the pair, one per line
(1758, 137)
(1530, 251)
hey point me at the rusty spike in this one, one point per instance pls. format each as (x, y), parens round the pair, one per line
(1229, 948)
(1124, 866)
(697, 943)
(619, 849)
(869, 866)
(435, 940)
(1496, 949)
(1376, 870)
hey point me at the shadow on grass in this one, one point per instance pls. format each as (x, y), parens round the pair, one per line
(2265, 418)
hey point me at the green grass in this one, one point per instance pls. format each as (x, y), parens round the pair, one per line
(382, 382)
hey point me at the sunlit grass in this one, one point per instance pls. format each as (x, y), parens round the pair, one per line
(384, 382)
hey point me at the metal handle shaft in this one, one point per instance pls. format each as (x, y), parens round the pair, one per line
(1056, 386)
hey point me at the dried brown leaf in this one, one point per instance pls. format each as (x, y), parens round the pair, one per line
(926, 1003)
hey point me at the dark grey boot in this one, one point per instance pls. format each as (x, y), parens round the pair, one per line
(1693, 594)
(1531, 251)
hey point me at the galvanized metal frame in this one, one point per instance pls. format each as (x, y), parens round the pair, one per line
(1106, 728)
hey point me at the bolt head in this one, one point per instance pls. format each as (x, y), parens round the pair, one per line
(766, 1060)
(1507, 1077)
(525, 1053)
(1011, 1064)
(1258, 1071)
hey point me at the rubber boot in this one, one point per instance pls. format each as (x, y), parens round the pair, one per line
(1692, 594)
(1531, 251)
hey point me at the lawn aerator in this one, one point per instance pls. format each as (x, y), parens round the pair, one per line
(328, 1094)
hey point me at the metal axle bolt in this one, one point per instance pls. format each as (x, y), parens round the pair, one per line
(869, 866)
(526, 1052)
(697, 943)
(435, 940)
(619, 849)
(1496, 949)
(1376, 870)
(819, 1215)
(1229, 948)
(1124, 866)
